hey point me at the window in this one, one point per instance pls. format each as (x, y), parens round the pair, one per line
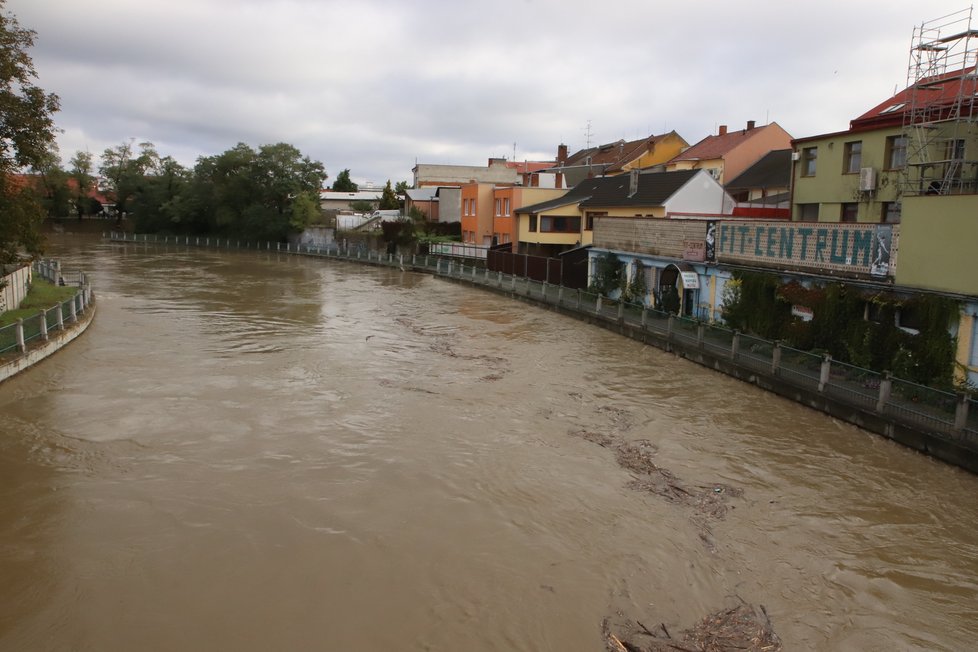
(498, 204)
(809, 156)
(896, 152)
(852, 157)
(850, 212)
(533, 224)
(909, 320)
(954, 154)
(560, 224)
(891, 212)
(808, 212)
(506, 207)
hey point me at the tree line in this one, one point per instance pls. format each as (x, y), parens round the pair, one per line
(248, 193)
(263, 193)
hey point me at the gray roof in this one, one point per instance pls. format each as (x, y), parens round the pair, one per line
(773, 170)
(654, 189)
(424, 193)
(578, 193)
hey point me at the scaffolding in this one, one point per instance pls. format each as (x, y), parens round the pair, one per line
(940, 126)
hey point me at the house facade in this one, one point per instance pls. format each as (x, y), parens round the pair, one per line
(477, 213)
(729, 153)
(340, 201)
(507, 200)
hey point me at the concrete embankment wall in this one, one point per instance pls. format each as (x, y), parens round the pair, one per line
(41, 335)
(55, 342)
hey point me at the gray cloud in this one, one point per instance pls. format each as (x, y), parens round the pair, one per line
(375, 85)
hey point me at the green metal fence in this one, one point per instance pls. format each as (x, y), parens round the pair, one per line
(17, 337)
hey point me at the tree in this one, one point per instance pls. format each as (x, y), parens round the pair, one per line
(388, 200)
(82, 168)
(608, 274)
(261, 195)
(51, 185)
(401, 187)
(361, 206)
(26, 137)
(125, 171)
(343, 183)
(306, 210)
(157, 204)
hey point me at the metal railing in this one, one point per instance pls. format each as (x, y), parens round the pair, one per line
(17, 337)
(934, 410)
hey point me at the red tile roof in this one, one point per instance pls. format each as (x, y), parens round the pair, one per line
(717, 146)
(613, 156)
(937, 92)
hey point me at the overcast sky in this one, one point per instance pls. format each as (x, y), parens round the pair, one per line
(378, 85)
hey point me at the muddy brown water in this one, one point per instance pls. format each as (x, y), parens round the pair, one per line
(255, 452)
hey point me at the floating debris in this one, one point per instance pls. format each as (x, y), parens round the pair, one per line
(743, 627)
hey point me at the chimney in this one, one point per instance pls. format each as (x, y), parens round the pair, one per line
(632, 182)
(750, 125)
(561, 154)
(723, 130)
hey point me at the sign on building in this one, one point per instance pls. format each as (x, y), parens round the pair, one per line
(850, 248)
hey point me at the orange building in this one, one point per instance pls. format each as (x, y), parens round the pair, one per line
(505, 225)
(477, 213)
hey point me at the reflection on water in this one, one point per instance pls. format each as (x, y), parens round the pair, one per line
(252, 451)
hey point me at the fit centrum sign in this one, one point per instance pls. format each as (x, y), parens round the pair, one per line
(855, 248)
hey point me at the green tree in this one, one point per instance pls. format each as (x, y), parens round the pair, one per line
(401, 187)
(50, 182)
(26, 137)
(82, 171)
(306, 210)
(388, 200)
(343, 183)
(157, 205)
(262, 194)
(361, 206)
(609, 272)
(125, 170)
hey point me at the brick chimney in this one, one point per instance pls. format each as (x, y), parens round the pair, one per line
(750, 125)
(723, 130)
(561, 154)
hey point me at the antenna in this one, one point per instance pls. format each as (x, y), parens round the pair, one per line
(587, 135)
(514, 152)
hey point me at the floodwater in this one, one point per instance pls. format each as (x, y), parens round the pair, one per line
(250, 451)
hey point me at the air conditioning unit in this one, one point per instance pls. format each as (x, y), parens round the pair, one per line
(867, 179)
(796, 156)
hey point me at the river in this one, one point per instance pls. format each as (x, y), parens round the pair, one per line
(253, 451)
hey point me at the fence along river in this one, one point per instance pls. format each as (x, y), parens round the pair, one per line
(254, 451)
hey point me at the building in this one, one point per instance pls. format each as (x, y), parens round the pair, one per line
(617, 157)
(764, 183)
(507, 200)
(477, 213)
(423, 199)
(340, 201)
(496, 171)
(728, 154)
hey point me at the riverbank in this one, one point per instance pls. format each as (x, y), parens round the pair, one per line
(43, 334)
(933, 422)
